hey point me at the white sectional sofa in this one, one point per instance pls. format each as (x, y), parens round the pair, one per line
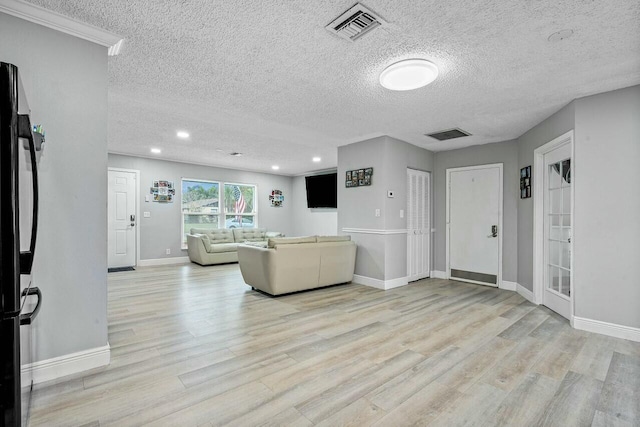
(298, 263)
(219, 246)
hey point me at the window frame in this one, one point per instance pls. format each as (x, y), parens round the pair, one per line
(222, 208)
(183, 232)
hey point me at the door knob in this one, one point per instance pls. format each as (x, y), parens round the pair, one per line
(494, 231)
(133, 220)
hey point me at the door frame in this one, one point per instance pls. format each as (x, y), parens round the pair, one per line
(500, 167)
(430, 229)
(538, 217)
(137, 199)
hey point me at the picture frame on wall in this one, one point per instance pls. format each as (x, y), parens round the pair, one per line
(525, 182)
(358, 177)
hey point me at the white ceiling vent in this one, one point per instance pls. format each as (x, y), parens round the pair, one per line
(355, 23)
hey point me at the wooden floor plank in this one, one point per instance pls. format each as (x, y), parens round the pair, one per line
(194, 345)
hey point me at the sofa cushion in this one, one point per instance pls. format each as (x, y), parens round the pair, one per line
(216, 235)
(273, 242)
(322, 239)
(249, 234)
(223, 247)
(205, 240)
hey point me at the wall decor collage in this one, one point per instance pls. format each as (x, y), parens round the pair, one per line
(276, 198)
(358, 177)
(163, 191)
(525, 182)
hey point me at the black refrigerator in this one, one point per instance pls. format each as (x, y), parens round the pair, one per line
(18, 147)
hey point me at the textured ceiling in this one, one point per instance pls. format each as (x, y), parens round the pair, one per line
(266, 79)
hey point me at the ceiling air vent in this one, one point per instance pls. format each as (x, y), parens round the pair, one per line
(355, 23)
(448, 134)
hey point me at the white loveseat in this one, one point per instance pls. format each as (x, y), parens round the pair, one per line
(298, 263)
(219, 246)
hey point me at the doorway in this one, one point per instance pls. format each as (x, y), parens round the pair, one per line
(474, 224)
(122, 230)
(418, 224)
(553, 225)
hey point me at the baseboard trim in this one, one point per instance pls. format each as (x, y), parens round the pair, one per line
(509, 286)
(611, 329)
(525, 293)
(163, 261)
(380, 284)
(73, 363)
(435, 274)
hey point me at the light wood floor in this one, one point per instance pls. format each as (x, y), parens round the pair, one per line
(194, 345)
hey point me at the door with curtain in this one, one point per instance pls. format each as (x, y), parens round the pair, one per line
(418, 224)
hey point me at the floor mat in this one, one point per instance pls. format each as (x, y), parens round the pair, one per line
(118, 269)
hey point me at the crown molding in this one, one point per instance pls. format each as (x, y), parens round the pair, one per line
(47, 18)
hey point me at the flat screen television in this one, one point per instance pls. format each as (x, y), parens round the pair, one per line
(322, 191)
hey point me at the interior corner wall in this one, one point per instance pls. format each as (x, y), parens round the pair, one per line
(65, 80)
(310, 222)
(607, 207)
(162, 230)
(399, 156)
(551, 128)
(500, 152)
(381, 248)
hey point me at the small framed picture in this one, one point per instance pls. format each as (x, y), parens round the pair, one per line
(348, 175)
(361, 174)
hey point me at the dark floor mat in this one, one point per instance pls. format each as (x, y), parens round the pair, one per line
(118, 269)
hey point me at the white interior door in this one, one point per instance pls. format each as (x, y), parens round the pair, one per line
(418, 224)
(557, 230)
(122, 219)
(474, 224)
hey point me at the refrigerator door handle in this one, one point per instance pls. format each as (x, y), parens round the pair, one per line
(27, 318)
(26, 258)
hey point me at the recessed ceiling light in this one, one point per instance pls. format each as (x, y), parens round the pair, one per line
(316, 159)
(182, 134)
(408, 74)
(275, 167)
(156, 150)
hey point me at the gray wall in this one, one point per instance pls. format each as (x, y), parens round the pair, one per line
(162, 230)
(380, 256)
(309, 222)
(502, 152)
(607, 207)
(551, 128)
(66, 83)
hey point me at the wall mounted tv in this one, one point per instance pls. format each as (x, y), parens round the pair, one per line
(322, 191)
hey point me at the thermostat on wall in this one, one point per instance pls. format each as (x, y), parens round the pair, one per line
(390, 193)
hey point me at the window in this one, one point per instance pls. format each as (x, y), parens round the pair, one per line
(200, 206)
(240, 206)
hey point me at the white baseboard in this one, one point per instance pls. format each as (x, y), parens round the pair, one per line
(509, 286)
(435, 274)
(611, 329)
(57, 367)
(163, 261)
(525, 293)
(380, 284)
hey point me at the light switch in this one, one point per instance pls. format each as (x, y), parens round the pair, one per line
(147, 198)
(377, 212)
(401, 213)
(147, 214)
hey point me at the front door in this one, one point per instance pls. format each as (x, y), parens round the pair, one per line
(121, 219)
(474, 221)
(557, 230)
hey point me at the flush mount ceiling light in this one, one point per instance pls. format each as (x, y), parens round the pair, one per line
(236, 154)
(182, 134)
(156, 150)
(316, 159)
(408, 74)
(275, 167)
